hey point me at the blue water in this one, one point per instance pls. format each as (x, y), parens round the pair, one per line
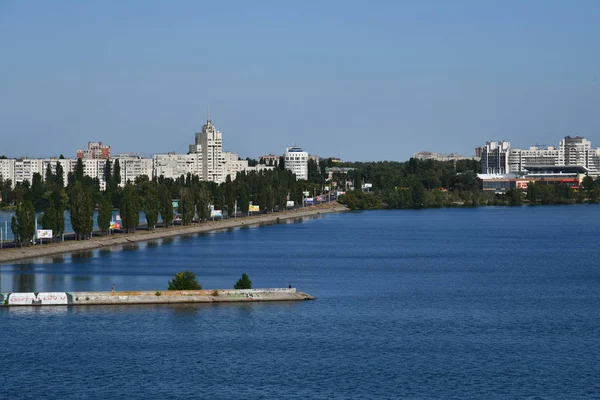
(452, 303)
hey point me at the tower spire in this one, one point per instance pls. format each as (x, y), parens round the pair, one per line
(208, 114)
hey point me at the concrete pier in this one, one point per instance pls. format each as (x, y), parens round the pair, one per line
(150, 297)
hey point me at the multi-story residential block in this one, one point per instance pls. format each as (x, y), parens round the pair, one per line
(95, 150)
(426, 155)
(232, 165)
(26, 167)
(519, 160)
(173, 165)
(133, 167)
(296, 160)
(494, 158)
(7, 169)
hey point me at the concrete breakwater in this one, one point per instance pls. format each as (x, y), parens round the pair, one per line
(151, 297)
(7, 255)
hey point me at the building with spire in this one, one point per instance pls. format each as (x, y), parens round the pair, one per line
(205, 159)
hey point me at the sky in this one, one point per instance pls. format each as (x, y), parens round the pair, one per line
(363, 81)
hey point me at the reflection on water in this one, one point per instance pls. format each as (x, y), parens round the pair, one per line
(24, 280)
(131, 247)
(58, 259)
(152, 243)
(105, 252)
(168, 240)
(81, 256)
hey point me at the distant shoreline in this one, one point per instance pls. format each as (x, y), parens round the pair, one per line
(37, 251)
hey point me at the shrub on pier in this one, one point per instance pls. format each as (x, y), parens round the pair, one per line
(243, 283)
(185, 280)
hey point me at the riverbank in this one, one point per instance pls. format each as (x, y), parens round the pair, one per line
(151, 297)
(8, 255)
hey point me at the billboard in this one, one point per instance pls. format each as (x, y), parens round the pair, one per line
(216, 213)
(290, 203)
(115, 225)
(309, 200)
(252, 208)
(44, 233)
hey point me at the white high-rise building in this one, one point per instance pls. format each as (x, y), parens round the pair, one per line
(210, 141)
(296, 160)
(575, 151)
(494, 158)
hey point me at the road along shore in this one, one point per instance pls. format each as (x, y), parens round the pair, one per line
(36, 251)
(150, 297)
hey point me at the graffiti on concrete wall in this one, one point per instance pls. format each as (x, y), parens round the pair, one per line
(39, 298)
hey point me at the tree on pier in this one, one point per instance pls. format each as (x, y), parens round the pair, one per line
(185, 280)
(243, 283)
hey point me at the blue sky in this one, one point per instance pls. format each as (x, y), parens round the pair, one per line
(374, 80)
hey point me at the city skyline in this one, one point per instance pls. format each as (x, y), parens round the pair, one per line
(325, 76)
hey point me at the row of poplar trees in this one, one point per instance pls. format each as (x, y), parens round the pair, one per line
(82, 196)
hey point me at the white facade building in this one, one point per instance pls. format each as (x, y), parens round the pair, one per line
(173, 165)
(296, 160)
(494, 158)
(133, 167)
(519, 160)
(210, 141)
(7, 169)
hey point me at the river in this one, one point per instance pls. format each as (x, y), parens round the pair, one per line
(491, 302)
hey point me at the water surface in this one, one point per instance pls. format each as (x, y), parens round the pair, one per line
(452, 303)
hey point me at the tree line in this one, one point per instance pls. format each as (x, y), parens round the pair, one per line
(82, 196)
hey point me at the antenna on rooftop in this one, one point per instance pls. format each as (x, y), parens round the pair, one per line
(208, 112)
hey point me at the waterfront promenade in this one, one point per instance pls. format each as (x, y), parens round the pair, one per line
(35, 251)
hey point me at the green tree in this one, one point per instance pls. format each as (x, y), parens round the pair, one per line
(185, 280)
(202, 203)
(23, 223)
(105, 213)
(587, 183)
(166, 205)
(108, 173)
(243, 283)
(82, 211)
(151, 205)
(61, 200)
(515, 197)
(117, 172)
(49, 174)
(79, 170)
(187, 208)
(49, 219)
(130, 209)
(37, 192)
(59, 176)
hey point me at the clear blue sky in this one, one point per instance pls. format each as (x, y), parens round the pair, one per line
(358, 80)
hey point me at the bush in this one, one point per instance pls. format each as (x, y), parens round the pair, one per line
(157, 293)
(243, 283)
(185, 280)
